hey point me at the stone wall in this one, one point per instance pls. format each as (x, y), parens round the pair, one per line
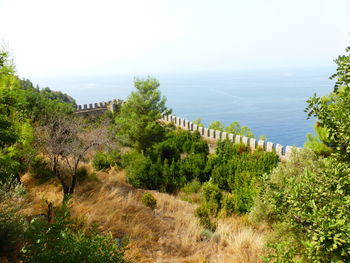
(96, 109)
(214, 135)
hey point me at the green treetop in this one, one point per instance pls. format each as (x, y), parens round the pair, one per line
(137, 123)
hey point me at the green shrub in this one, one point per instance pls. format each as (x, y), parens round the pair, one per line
(56, 242)
(40, 169)
(149, 200)
(192, 187)
(204, 219)
(193, 166)
(228, 204)
(212, 196)
(101, 161)
(166, 150)
(309, 197)
(82, 173)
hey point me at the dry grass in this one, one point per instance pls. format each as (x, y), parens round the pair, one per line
(171, 233)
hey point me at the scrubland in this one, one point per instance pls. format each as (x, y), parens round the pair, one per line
(170, 233)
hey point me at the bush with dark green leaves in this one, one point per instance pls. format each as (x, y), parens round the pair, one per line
(57, 242)
(102, 160)
(40, 169)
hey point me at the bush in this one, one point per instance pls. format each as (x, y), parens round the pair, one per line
(101, 161)
(82, 173)
(204, 219)
(309, 197)
(149, 200)
(192, 187)
(193, 167)
(228, 204)
(143, 173)
(40, 169)
(212, 196)
(56, 242)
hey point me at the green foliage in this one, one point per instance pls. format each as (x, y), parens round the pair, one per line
(315, 144)
(82, 173)
(228, 204)
(40, 169)
(198, 122)
(193, 167)
(310, 198)
(204, 219)
(281, 253)
(216, 125)
(237, 129)
(137, 123)
(101, 161)
(9, 168)
(142, 172)
(161, 166)
(212, 196)
(149, 200)
(58, 242)
(192, 187)
(235, 170)
(333, 111)
(12, 225)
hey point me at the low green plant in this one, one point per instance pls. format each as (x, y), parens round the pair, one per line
(228, 204)
(281, 252)
(101, 161)
(40, 169)
(212, 196)
(192, 187)
(56, 242)
(204, 218)
(149, 200)
(82, 173)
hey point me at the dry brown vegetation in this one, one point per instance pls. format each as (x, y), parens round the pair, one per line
(171, 233)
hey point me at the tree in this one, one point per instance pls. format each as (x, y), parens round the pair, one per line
(198, 122)
(236, 128)
(137, 123)
(333, 111)
(66, 140)
(217, 125)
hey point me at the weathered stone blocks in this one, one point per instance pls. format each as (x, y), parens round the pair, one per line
(245, 140)
(238, 139)
(252, 144)
(262, 144)
(279, 150)
(231, 137)
(269, 146)
(217, 135)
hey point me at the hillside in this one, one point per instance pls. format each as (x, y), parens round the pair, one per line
(169, 234)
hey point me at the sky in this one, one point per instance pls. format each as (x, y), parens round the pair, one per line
(103, 37)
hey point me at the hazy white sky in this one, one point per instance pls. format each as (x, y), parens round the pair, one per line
(84, 37)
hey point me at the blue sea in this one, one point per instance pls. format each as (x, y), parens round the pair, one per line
(270, 102)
